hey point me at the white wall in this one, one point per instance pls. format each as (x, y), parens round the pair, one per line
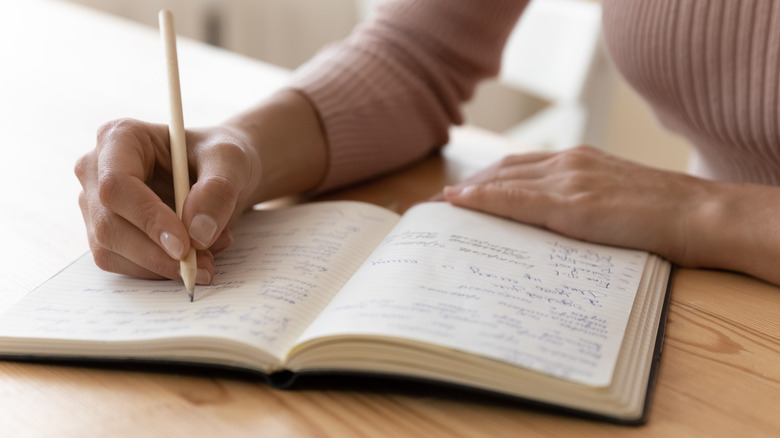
(283, 32)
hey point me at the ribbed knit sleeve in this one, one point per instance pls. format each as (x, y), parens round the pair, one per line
(710, 69)
(387, 95)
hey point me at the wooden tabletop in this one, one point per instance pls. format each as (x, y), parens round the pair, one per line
(66, 70)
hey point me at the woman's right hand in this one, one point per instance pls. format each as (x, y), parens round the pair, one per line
(127, 198)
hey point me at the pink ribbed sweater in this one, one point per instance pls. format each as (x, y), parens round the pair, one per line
(710, 69)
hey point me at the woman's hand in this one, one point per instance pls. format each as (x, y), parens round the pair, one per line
(127, 201)
(589, 195)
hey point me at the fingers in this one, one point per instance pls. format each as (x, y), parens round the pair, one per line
(118, 246)
(561, 191)
(535, 168)
(223, 176)
(512, 166)
(522, 204)
(527, 158)
(538, 165)
(542, 164)
(589, 195)
(127, 198)
(131, 155)
(508, 188)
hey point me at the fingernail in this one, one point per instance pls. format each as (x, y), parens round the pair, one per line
(202, 229)
(203, 276)
(172, 245)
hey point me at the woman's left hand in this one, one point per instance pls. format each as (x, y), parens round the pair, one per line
(589, 195)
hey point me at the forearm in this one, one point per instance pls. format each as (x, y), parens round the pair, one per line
(379, 100)
(388, 94)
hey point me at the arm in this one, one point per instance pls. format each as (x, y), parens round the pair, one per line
(587, 194)
(388, 94)
(274, 149)
(377, 101)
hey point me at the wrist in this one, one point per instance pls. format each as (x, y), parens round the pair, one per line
(730, 227)
(286, 135)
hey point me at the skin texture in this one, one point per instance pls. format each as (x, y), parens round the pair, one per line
(386, 97)
(269, 151)
(590, 195)
(583, 193)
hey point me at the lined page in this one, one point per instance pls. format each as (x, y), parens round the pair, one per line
(493, 287)
(282, 269)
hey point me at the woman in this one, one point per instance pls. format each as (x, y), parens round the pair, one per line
(386, 96)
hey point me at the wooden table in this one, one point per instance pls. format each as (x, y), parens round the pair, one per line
(66, 70)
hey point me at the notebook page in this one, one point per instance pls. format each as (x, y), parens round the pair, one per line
(490, 286)
(282, 269)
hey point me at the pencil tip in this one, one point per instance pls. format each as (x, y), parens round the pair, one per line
(190, 290)
(189, 286)
(189, 271)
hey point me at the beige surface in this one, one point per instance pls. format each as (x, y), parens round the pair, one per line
(632, 132)
(68, 70)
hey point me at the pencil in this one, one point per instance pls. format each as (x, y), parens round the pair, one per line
(181, 177)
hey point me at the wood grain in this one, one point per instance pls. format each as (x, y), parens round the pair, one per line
(719, 377)
(719, 374)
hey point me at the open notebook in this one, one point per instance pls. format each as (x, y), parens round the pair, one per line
(440, 293)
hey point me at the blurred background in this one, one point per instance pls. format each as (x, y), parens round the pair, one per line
(596, 104)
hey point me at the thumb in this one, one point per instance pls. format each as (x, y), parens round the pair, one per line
(222, 175)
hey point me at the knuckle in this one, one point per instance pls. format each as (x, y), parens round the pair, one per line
(576, 157)
(83, 202)
(575, 182)
(124, 131)
(109, 187)
(585, 149)
(116, 126)
(233, 153)
(570, 159)
(148, 218)
(230, 150)
(219, 187)
(507, 161)
(81, 168)
(102, 230)
(104, 131)
(102, 257)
